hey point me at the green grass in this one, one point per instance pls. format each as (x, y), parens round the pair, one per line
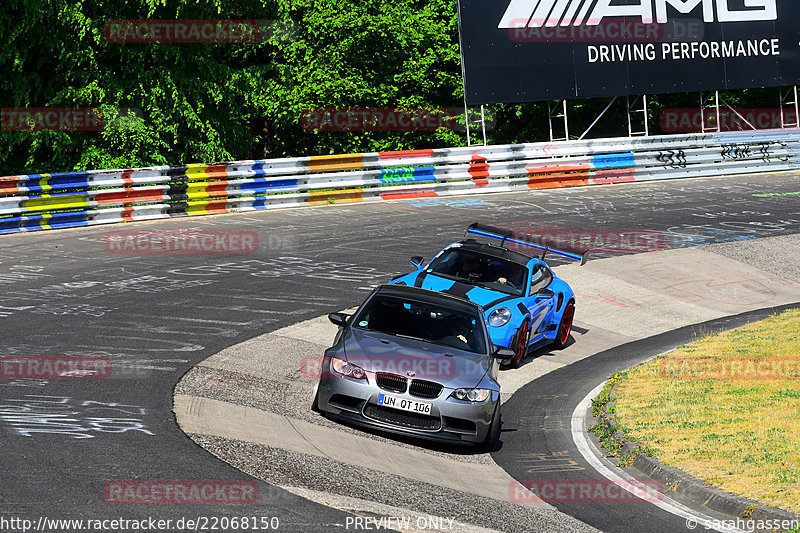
(741, 431)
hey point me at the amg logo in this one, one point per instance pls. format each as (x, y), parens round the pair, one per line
(551, 13)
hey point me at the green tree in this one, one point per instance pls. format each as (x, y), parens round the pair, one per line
(206, 102)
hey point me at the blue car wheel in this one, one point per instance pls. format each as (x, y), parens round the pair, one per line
(565, 327)
(520, 345)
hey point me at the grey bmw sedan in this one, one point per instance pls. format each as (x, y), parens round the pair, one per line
(415, 362)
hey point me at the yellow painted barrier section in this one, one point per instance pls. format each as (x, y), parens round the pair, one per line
(336, 162)
(43, 222)
(55, 202)
(206, 207)
(207, 189)
(197, 171)
(326, 197)
(43, 182)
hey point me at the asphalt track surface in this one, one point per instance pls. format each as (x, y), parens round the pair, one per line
(156, 315)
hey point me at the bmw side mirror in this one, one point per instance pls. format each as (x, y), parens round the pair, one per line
(340, 319)
(503, 353)
(417, 261)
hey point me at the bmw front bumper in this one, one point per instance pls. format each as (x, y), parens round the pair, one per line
(356, 402)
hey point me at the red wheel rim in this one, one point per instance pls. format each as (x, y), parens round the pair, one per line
(522, 342)
(566, 323)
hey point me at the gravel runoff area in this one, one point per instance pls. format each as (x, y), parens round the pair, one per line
(282, 467)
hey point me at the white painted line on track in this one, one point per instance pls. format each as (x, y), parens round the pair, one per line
(666, 503)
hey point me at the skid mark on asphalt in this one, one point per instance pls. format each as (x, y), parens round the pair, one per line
(77, 419)
(560, 461)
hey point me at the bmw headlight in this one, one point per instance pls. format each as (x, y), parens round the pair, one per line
(470, 395)
(344, 368)
(500, 317)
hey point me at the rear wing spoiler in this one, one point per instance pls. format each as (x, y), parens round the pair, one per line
(525, 240)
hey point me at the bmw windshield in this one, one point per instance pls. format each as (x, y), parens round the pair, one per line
(425, 321)
(480, 269)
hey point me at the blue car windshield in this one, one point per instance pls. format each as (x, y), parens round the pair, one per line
(429, 322)
(481, 269)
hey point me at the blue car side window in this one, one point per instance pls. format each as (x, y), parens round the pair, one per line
(540, 278)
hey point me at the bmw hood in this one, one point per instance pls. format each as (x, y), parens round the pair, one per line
(380, 352)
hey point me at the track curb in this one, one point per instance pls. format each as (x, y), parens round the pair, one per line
(707, 495)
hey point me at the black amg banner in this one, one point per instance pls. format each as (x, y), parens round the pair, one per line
(532, 50)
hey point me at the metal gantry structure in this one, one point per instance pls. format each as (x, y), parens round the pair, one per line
(634, 106)
(789, 100)
(481, 122)
(711, 106)
(638, 124)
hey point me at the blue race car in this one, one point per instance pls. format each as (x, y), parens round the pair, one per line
(525, 305)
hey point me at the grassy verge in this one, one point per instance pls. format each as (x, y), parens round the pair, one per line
(608, 429)
(725, 409)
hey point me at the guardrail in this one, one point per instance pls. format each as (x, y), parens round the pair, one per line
(70, 199)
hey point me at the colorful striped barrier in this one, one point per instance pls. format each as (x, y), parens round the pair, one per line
(71, 199)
